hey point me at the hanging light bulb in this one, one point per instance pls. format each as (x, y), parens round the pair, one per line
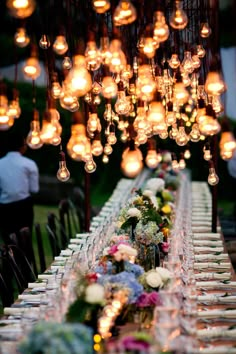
(111, 138)
(124, 14)
(209, 124)
(180, 94)
(14, 109)
(93, 124)
(152, 158)
(105, 159)
(78, 143)
(200, 51)
(145, 84)
(68, 99)
(6, 121)
(131, 164)
(107, 149)
(207, 152)
(101, 6)
(161, 30)
(174, 61)
(21, 38)
(60, 45)
(79, 79)
(156, 112)
(205, 30)
(44, 42)
(181, 138)
(56, 87)
(182, 163)
(32, 69)
(63, 173)
(214, 84)
(49, 133)
(178, 18)
(92, 53)
(187, 63)
(117, 61)
(33, 138)
(227, 142)
(109, 87)
(213, 179)
(90, 166)
(21, 8)
(67, 63)
(187, 154)
(122, 105)
(174, 163)
(96, 147)
(195, 133)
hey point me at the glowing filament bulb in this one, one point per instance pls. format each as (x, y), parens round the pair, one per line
(33, 139)
(21, 38)
(63, 173)
(213, 179)
(178, 19)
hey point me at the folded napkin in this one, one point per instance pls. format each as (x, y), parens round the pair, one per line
(45, 276)
(216, 333)
(204, 229)
(211, 257)
(215, 285)
(75, 247)
(216, 350)
(30, 296)
(217, 299)
(206, 236)
(207, 243)
(201, 223)
(200, 249)
(13, 310)
(77, 241)
(66, 252)
(212, 265)
(217, 314)
(208, 276)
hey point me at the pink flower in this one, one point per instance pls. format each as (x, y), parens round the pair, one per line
(113, 249)
(165, 247)
(154, 299)
(143, 300)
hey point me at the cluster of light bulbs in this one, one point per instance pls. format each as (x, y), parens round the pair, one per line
(166, 101)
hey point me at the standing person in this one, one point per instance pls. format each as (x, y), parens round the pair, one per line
(19, 179)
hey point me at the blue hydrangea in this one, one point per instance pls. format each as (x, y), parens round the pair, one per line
(136, 269)
(58, 338)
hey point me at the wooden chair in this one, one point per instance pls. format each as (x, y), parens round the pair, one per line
(69, 220)
(53, 229)
(17, 266)
(41, 252)
(6, 285)
(25, 243)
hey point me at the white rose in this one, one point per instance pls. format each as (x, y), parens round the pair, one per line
(106, 251)
(127, 250)
(154, 280)
(148, 193)
(134, 212)
(164, 273)
(95, 294)
(154, 202)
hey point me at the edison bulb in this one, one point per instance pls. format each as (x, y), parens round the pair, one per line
(79, 79)
(152, 159)
(96, 148)
(67, 63)
(33, 139)
(105, 159)
(90, 166)
(60, 45)
(32, 69)
(181, 138)
(63, 173)
(108, 149)
(109, 87)
(182, 164)
(178, 18)
(174, 61)
(125, 13)
(21, 38)
(101, 6)
(56, 90)
(205, 30)
(44, 42)
(131, 164)
(187, 154)
(21, 8)
(93, 56)
(161, 29)
(213, 179)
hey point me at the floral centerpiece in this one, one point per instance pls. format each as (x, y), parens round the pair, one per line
(60, 338)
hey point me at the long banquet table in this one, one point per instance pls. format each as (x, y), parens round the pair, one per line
(198, 257)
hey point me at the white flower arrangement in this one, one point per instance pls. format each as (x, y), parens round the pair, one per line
(95, 294)
(154, 279)
(125, 252)
(164, 273)
(148, 193)
(155, 185)
(134, 212)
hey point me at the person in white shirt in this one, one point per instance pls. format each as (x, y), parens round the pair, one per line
(19, 180)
